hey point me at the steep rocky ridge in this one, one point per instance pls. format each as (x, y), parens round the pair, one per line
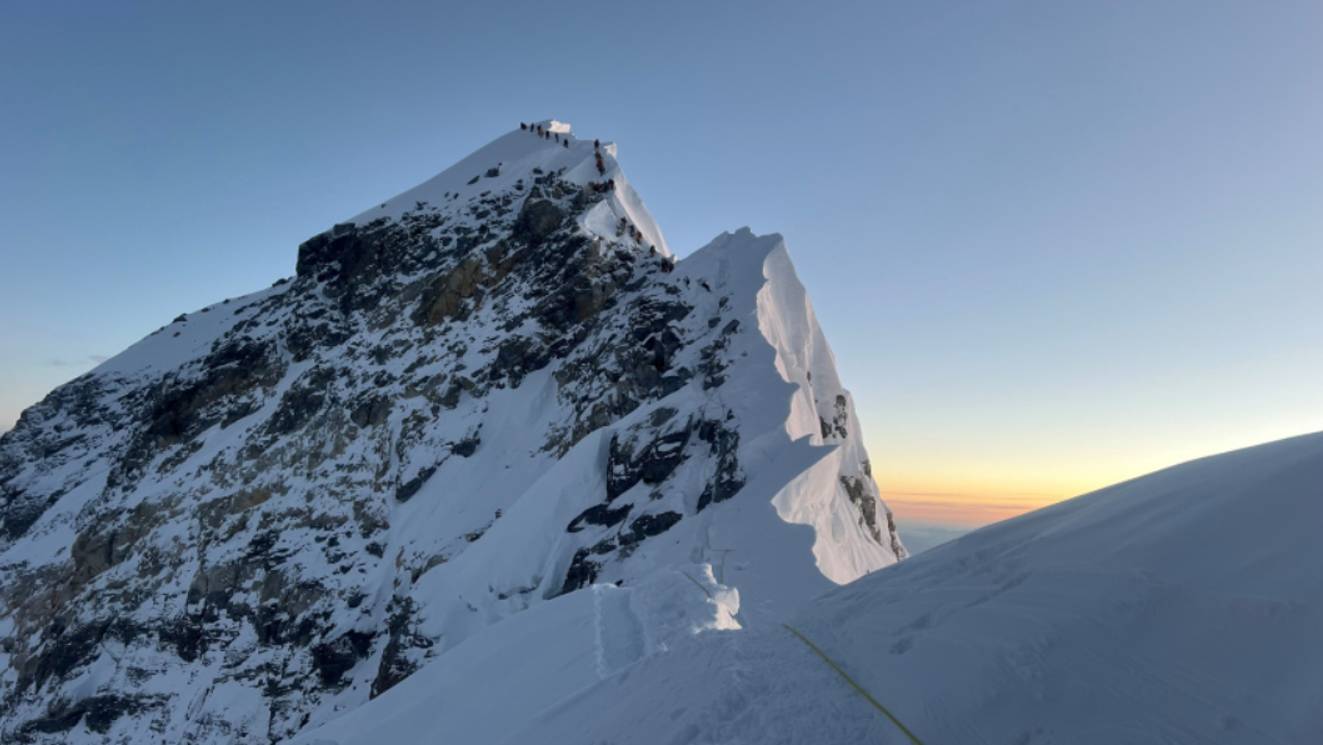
(490, 391)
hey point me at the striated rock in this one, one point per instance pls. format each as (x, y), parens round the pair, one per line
(445, 296)
(537, 220)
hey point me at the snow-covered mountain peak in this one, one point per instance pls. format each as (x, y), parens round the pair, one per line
(518, 158)
(554, 126)
(495, 392)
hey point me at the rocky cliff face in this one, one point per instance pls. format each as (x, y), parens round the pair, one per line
(490, 391)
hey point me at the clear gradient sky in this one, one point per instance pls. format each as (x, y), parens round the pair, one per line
(1054, 245)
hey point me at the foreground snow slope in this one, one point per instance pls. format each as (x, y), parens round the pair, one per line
(1185, 606)
(504, 677)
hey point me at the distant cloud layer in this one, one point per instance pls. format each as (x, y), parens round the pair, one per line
(961, 509)
(91, 359)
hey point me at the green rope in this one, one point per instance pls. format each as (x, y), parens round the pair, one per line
(698, 584)
(858, 688)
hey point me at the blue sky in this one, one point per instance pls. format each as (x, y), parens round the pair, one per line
(1053, 244)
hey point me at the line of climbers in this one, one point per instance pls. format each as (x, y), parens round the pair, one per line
(667, 264)
(625, 226)
(545, 133)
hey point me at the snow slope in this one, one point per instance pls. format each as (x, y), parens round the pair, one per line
(1181, 607)
(509, 673)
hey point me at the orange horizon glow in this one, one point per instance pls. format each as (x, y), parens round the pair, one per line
(976, 497)
(974, 483)
(965, 510)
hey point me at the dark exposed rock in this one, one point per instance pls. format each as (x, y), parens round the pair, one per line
(331, 254)
(896, 547)
(661, 457)
(371, 412)
(466, 447)
(333, 659)
(458, 385)
(859, 495)
(581, 294)
(445, 297)
(661, 415)
(599, 514)
(105, 544)
(724, 443)
(516, 357)
(305, 335)
(21, 510)
(395, 664)
(583, 569)
(645, 526)
(663, 347)
(837, 427)
(180, 409)
(185, 636)
(96, 712)
(302, 401)
(581, 573)
(62, 651)
(651, 465)
(357, 264)
(713, 356)
(538, 219)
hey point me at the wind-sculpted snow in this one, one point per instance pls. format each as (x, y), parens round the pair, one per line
(493, 399)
